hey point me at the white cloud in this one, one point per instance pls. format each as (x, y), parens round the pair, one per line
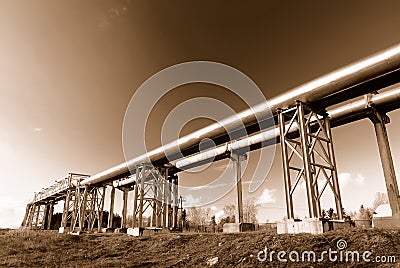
(346, 178)
(213, 208)
(37, 129)
(267, 197)
(190, 201)
(219, 215)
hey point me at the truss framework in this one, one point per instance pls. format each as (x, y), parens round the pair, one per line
(156, 195)
(88, 204)
(308, 155)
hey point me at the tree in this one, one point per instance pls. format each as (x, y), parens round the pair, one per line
(183, 220)
(364, 213)
(380, 199)
(229, 212)
(250, 210)
(198, 216)
(213, 223)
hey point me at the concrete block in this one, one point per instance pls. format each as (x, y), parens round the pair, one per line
(290, 226)
(135, 231)
(120, 230)
(312, 226)
(63, 230)
(107, 230)
(238, 227)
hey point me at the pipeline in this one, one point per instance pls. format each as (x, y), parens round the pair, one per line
(387, 100)
(339, 81)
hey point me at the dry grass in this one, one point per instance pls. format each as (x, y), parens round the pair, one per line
(24, 248)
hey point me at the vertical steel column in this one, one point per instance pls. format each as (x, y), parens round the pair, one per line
(154, 213)
(135, 199)
(166, 199)
(49, 215)
(314, 180)
(379, 120)
(175, 202)
(142, 179)
(44, 218)
(83, 209)
(312, 208)
(111, 214)
(169, 202)
(159, 206)
(124, 207)
(237, 159)
(37, 215)
(335, 178)
(100, 213)
(26, 216)
(66, 209)
(31, 216)
(75, 211)
(285, 161)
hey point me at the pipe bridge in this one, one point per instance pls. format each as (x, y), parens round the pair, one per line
(305, 115)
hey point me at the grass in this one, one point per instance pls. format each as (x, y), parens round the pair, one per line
(25, 248)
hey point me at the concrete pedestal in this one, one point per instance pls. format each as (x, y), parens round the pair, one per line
(107, 230)
(135, 231)
(121, 230)
(63, 230)
(311, 226)
(238, 227)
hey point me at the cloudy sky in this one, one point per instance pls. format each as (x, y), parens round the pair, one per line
(68, 70)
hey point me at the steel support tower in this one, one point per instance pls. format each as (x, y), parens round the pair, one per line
(308, 155)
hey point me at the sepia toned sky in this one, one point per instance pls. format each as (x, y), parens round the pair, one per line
(69, 68)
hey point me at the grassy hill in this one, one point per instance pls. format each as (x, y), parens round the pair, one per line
(23, 248)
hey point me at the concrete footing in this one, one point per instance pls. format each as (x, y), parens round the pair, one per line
(311, 226)
(238, 227)
(107, 230)
(63, 230)
(121, 230)
(135, 231)
(146, 231)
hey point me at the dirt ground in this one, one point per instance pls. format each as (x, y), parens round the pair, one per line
(22, 248)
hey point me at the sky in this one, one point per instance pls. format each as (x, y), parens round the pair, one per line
(68, 70)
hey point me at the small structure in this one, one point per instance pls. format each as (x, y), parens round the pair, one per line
(383, 218)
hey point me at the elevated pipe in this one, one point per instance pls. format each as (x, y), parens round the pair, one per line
(124, 182)
(338, 81)
(387, 100)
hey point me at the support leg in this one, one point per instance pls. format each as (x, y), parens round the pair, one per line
(379, 121)
(237, 159)
(49, 215)
(124, 208)
(111, 215)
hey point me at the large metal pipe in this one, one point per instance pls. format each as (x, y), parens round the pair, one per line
(338, 81)
(387, 100)
(124, 182)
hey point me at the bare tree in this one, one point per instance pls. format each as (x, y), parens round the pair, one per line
(364, 213)
(250, 210)
(198, 216)
(229, 213)
(380, 199)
